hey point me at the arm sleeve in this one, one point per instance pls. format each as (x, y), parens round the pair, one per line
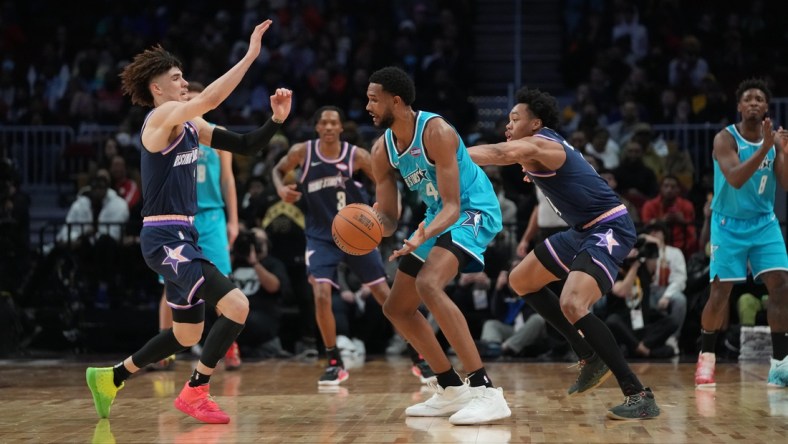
(247, 144)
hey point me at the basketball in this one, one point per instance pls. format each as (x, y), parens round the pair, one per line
(357, 229)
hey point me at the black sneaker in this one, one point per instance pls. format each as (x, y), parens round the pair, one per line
(593, 373)
(641, 405)
(423, 371)
(334, 374)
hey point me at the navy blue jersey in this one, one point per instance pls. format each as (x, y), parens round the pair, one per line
(327, 186)
(575, 191)
(169, 180)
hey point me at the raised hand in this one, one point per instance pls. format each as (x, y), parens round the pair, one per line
(255, 41)
(281, 101)
(782, 139)
(768, 133)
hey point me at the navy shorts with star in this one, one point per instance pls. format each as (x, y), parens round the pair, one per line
(608, 243)
(170, 249)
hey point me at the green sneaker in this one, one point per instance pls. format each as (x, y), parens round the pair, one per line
(641, 405)
(102, 386)
(592, 374)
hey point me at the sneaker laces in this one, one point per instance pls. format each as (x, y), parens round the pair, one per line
(631, 400)
(209, 404)
(579, 364)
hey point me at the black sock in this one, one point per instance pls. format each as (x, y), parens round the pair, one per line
(334, 357)
(479, 378)
(120, 374)
(546, 303)
(708, 341)
(219, 340)
(449, 378)
(604, 344)
(415, 357)
(157, 348)
(779, 345)
(199, 379)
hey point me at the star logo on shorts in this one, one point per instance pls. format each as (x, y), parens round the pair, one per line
(607, 240)
(308, 254)
(473, 219)
(174, 257)
(713, 250)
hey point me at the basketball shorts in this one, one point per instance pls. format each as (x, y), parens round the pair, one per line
(472, 232)
(170, 249)
(607, 244)
(735, 242)
(323, 256)
(212, 227)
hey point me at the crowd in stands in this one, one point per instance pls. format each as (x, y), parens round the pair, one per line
(628, 65)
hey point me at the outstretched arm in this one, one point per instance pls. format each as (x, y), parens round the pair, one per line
(173, 113)
(504, 153)
(251, 143)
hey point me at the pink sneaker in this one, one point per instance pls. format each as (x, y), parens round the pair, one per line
(232, 359)
(704, 372)
(197, 403)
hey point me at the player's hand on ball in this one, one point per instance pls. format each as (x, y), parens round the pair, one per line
(411, 244)
(288, 193)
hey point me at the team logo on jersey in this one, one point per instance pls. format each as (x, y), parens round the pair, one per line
(607, 240)
(415, 151)
(473, 218)
(187, 158)
(766, 164)
(341, 167)
(337, 181)
(415, 177)
(174, 257)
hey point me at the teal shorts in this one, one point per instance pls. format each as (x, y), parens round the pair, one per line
(472, 232)
(737, 242)
(212, 226)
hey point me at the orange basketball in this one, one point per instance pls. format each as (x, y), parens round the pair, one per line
(357, 229)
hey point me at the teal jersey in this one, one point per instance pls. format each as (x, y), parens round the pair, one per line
(209, 185)
(418, 171)
(756, 197)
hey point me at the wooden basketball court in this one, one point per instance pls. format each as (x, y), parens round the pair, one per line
(279, 402)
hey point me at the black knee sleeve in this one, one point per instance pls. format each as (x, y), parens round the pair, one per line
(159, 347)
(215, 286)
(219, 340)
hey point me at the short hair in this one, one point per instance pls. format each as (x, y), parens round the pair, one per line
(753, 83)
(395, 81)
(542, 105)
(137, 75)
(319, 113)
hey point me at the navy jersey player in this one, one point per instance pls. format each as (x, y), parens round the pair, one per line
(170, 135)
(744, 229)
(463, 216)
(326, 185)
(587, 255)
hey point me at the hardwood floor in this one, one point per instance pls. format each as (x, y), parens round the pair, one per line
(279, 402)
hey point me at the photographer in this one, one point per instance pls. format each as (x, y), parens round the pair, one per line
(669, 280)
(263, 279)
(636, 326)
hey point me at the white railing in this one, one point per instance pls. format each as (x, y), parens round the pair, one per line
(50, 155)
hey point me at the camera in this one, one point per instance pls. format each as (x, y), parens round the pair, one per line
(243, 244)
(646, 250)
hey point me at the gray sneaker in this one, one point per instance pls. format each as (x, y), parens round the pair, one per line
(641, 405)
(592, 374)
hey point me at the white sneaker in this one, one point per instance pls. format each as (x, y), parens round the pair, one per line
(444, 402)
(488, 405)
